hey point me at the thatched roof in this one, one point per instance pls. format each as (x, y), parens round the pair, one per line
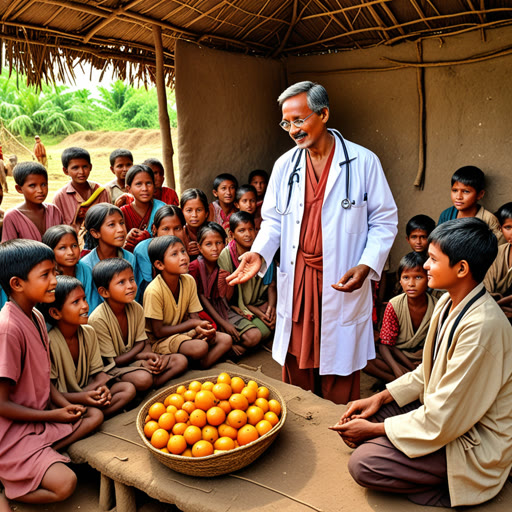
(45, 39)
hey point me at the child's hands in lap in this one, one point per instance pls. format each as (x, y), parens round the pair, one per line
(231, 330)
(205, 330)
(68, 414)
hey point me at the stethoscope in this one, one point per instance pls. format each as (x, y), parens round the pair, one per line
(295, 178)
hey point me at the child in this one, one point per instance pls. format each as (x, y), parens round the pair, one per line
(257, 297)
(77, 367)
(259, 180)
(33, 217)
(224, 189)
(168, 220)
(165, 194)
(194, 205)
(418, 230)
(75, 198)
(119, 324)
(120, 161)
(106, 234)
(245, 201)
(468, 187)
(63, 240)
(171, 307)
(214, 293)
(35, 419)
(140, 183)
(455, 447)
(405, 323)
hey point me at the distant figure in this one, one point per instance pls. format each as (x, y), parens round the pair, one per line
(40, 151)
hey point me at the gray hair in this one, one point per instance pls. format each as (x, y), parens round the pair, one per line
(316, 95)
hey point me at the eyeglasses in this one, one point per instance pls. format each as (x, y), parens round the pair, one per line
(286, 125)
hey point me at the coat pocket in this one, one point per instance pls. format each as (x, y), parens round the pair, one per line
(356, 219)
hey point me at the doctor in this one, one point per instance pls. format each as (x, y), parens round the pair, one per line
(329, 208)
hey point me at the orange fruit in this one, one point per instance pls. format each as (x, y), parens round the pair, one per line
(263, 427)
(274, 406)
(238, 401)
(166, 401)
(210, 434)
(181, 416)
(249, 393)
(224, 378)
(247, 434)
(202, 449)
(207, 384)
(160, 438)
(148, 418)
(262, 404)
(189, 406)
(181, 389)
(253, 384)
(226, 430)
(156, 410)
(177, 444)
(254, 414)
(224, 405)
(195, 385)
(190, 394)
(215, 416)
(237, 384)
(171, 408)
(271, 417)
(187, 453)
(165, 450)
(167, 420)
(222, 391)
(224, 443)
(205, 399)
(263, 392)
(179, 428)
(198, 418)
(150, 427)
(176, 400)
(236, 418)
(192, 434)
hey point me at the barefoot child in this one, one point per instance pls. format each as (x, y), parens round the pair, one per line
(119, 324)
(139, 214)
(447, 441)
(194, 205)
(224, 189)
(245, 201)
(77, 367)
(165, 194)
(405, 323)
(33, 217)
(63, 240)
(35, 419)
(215, 294)
(256, 299)
(120, 161)
(171, 307)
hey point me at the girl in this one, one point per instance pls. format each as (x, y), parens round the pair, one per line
(194, 205)
(77, 367)
(106, 233)
(63, 240)
(140, 183)
(165, 194)
(169, 220)
(213, 291)
(405, 323)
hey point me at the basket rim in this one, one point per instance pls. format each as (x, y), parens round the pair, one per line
(171, 456)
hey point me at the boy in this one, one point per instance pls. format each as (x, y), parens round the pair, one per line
(455, 447)
(119, 325)
(171, 307)
(33, 217)
(468, 187)
(245, 201)
(257, 297)
(75, 198)
(35, 419)
(259, 180)
(224, 189)
(418, 230)
(120, 161)
(165, 194)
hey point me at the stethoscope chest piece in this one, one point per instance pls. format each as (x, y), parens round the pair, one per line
(346, 204)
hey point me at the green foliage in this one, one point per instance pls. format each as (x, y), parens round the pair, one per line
(55, 110)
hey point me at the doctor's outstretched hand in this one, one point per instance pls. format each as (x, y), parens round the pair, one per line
(250, 264)
(353, 279)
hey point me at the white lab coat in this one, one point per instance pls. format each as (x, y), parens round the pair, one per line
(363, 233)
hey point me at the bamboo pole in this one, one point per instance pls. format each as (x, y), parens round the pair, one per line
(163, 115)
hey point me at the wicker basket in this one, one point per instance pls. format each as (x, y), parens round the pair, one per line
(219, 463)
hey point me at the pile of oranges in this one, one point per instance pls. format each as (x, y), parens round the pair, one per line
(209, 417)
